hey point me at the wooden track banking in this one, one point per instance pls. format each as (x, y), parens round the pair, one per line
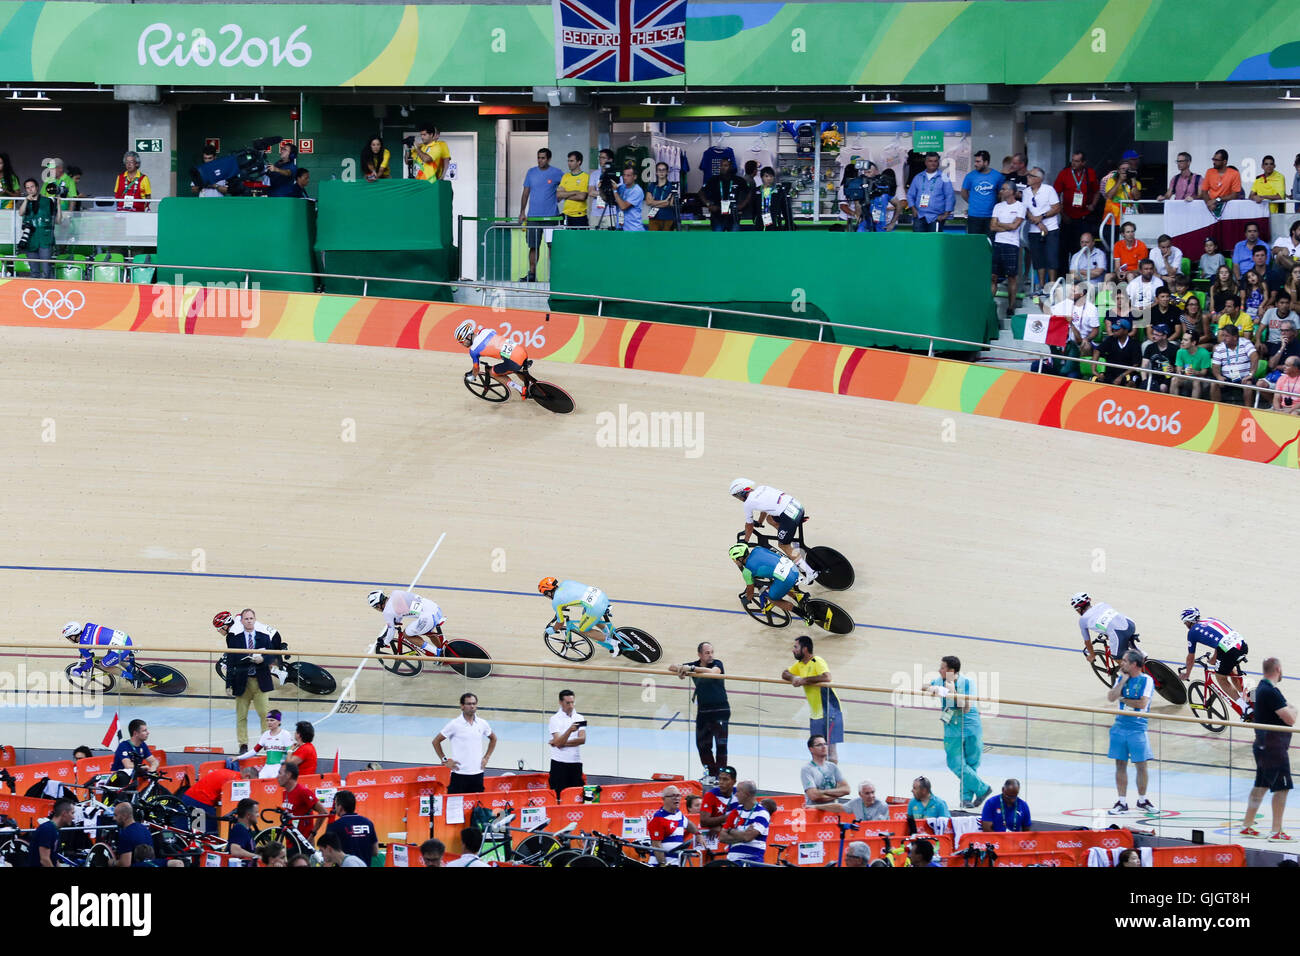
(958, 525)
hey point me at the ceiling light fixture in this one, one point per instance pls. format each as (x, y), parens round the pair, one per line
(889, 98)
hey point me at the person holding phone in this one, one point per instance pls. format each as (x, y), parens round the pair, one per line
(568, 733)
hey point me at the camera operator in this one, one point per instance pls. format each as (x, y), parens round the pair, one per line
(1121, 187)
(604, 181)
(873, 199)
(283, 176)
(631, 198)
(60, 184)
(39, 214)
(771, 204)
(131, 186)
(661, 198)
(198, 187)
(724, 194)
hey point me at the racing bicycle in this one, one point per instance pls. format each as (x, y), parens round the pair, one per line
(1168, 684)
(283, 832)
(405, 656)
(546, 394)
(309, 678)
(815, 612)
(635, 644)
(1208, 703)
(159, 678)
(834, 572)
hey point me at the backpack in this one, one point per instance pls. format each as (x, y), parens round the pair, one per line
(481, 817)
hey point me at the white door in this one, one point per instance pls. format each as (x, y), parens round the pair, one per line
(521, 157)
(462, 173)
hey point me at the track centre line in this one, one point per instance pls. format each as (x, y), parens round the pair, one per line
(501, 591)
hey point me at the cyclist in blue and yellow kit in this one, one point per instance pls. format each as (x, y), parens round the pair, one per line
(757, 562)
(593, 618)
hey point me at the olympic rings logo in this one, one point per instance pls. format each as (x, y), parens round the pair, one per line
(574, 815)
(53, 302)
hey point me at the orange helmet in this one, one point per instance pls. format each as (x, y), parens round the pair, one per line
(547, 585)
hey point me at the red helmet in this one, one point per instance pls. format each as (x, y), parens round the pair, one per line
(547, 585)
(223, 620)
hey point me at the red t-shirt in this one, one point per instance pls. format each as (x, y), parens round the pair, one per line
(299, 802)
(306, 755)
(208, 789)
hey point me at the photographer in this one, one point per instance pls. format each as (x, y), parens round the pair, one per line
(873, 200)
(771, 204)
(39, 214)
(630, 198)
(662, 201)
(604, 181)
(198, 187)
(283, 176)
(1121, 186)
(131, 186)
(724, 194)
(60, 183)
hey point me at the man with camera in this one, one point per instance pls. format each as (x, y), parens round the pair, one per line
(204, 190)
(430, 157)
(604, 181)
(630, 198)
(568, 730)
(39, 214)
(61, 184)
(283, 175)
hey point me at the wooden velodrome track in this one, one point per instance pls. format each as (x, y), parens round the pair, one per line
(968, 535)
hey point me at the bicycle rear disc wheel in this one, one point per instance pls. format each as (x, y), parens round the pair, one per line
(536, 845)
(95, 679)
(569, 647)
(163, 809)
(402, 658)
(583, 860)
(829, 617)
(312, 678)
(486, 387)
(775, 617)
(1105, 675)
(1207, 707)
(459, 653)
(1168, 684)
(163, 679)
(551, 397)
(834, 572)
(645, 649)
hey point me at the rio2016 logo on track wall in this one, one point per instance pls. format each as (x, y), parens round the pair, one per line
(159, 45)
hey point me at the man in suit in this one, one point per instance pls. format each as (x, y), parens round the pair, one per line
(248, 675)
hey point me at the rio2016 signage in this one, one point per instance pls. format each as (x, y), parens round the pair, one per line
(160, 46)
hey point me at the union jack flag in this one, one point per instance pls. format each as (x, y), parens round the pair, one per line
(619, 41)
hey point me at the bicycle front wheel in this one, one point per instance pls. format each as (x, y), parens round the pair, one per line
(1168, 684)
(829, 617)
(162, 679)
(486, 387)
(95, 680)
(775, 616)
(1207, 707)
(569, 646)
(1104, 674)
(459, 654)
(402, 657)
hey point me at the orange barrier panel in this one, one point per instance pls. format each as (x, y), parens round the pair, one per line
(517, 781)
(824, 822)
(362, 778)
(830, 841)
(266, 792)
(1210, 854)
(211, 765)
(643, 790)
(181, 774)
(1049, 841)
(203, 750)
(28, 811)
(1055, 858)
(591, 817)
(87, 767)
(449, 833)
(319, 781)
(412, 853)
(26, 775)
(160, 754)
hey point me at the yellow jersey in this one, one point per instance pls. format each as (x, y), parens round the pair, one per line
(814, 692)
(579, 184)
(439, 156)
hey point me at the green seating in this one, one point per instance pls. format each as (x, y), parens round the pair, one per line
(21, 266)
(70, 268)
(141, 271)
(109, 267)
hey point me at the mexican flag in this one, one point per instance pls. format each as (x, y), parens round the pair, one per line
(1051, 329)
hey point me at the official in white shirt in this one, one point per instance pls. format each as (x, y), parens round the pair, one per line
(466, 734)
(568, 730)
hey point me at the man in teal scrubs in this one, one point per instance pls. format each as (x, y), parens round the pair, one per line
(963, 733)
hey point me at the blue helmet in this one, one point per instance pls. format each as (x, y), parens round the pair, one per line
(1190, 615)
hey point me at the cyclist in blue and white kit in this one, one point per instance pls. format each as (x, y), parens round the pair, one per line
(116, 660)
(593, 617)
(766, 563)
(1102, 620)
(782, 511)
(408, 612)
(1227, 648)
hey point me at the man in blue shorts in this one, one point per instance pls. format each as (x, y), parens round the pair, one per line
(1128, 735)
(766, 564)
(825, 719)
(593, 611)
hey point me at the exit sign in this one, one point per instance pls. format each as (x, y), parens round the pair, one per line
(148, 146)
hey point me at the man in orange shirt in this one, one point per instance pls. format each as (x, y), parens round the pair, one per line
(1129, 252)
(1221, 183)
(205, 795)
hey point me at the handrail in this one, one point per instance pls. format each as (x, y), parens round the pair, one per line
(713, 310)
(893, 692)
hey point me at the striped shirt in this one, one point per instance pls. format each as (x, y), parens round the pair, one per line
(669, 830)
(1235, 363)
(756, 819)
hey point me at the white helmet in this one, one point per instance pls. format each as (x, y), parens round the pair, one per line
(72, 629)
(741, 486)
(376, 598)
(1080, 600)
(465, 332)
